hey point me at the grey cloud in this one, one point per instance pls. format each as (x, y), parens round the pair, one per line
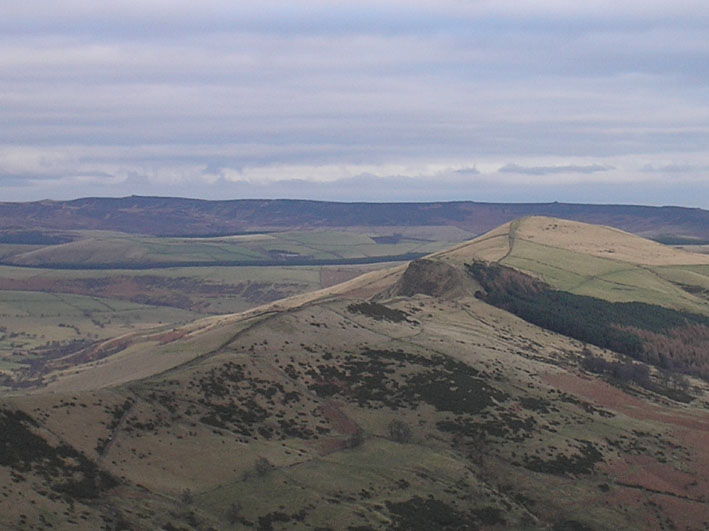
(374, 188)
(15, 181)
(467, 172)
(550, 170)
(679, 168)
(310, 14)
(152, 88)
(403, 189)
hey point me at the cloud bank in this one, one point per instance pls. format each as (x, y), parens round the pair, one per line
(357, 100)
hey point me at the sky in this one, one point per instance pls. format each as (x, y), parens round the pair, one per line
(503, 101)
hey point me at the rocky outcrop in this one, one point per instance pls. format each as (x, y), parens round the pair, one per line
(433, 278)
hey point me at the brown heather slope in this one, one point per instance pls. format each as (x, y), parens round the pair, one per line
(397, 400)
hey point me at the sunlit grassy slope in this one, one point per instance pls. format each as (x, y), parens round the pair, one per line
(595, 261)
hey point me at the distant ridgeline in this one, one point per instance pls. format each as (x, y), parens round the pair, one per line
(166, 216)
(668, 339)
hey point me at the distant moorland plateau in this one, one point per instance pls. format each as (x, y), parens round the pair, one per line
(164, 216)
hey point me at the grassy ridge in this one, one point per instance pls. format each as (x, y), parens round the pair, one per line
(683, 287)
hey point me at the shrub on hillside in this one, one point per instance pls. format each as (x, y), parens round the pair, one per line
(399, 431)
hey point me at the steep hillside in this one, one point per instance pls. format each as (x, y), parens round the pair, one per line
(401, 399)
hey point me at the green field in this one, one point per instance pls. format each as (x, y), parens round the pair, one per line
(94, 248)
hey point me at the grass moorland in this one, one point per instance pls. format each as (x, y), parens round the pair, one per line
(398, 400)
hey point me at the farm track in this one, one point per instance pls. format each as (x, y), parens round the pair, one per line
(114, 433)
